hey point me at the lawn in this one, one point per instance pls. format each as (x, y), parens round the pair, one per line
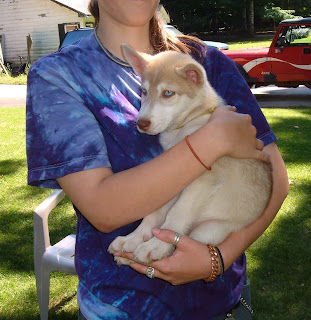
(7, 79)
(18, 299)
(257, 42)
(279, 262)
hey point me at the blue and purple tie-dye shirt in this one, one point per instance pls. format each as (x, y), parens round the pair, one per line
(81, 113)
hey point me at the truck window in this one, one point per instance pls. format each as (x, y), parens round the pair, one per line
(299, 35)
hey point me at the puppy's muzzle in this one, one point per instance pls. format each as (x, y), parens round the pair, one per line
(143, 124)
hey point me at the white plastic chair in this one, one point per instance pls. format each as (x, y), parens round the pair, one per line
(47, 258)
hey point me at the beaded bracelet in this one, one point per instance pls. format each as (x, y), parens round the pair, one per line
(215, 263)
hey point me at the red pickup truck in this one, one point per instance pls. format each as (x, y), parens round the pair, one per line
(287, 63)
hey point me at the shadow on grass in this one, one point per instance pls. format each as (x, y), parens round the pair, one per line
(8, 167)
(294, 137)
(55, 310)
(55, 313)
(17, 232)
(279, 262)
(16, 255)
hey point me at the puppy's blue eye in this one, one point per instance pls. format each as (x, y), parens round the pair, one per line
(144, 91)
(168, 93)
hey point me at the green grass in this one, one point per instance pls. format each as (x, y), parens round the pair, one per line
(18, 299)
(7, 79)
(257, 42)
(303, 40)
(279, 262)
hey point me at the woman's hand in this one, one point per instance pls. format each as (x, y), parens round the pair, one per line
(190, 261)
(228, 133)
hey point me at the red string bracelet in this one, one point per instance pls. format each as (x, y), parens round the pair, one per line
(193, 152)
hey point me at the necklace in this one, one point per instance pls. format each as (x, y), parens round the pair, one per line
(210, 110)
(109, 54)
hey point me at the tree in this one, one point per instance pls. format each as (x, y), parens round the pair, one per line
(251, 14)
(277, 14)
(231, 15)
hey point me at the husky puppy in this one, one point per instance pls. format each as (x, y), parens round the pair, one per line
(177, 100)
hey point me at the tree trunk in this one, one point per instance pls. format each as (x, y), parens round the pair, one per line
(251, 28)
(244, 13)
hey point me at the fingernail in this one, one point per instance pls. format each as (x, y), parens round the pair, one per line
(156, 230)
(117, 254)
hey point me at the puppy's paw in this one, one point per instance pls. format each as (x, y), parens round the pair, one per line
(116, 245)
(152, 250)
(127, 243)
(163, 250)
(132, 242)
(122, 261)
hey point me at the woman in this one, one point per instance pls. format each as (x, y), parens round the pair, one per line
(82, 106)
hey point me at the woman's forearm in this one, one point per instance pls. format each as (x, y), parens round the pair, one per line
(234, 245)
(110, 201)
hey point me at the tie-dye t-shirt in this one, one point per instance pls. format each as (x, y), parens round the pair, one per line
(81, 113)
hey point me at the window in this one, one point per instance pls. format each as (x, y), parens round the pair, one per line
(295, 36)
(299, 35)
(65, 27)
(71, 26)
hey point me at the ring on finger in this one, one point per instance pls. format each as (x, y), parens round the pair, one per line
(150, 272)
(176, 238)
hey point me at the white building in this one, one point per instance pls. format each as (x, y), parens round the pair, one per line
(45, 21)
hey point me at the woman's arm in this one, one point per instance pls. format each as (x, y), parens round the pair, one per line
(110, 201)
(191, 259)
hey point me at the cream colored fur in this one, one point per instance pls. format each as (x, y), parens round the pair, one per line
(227, 198)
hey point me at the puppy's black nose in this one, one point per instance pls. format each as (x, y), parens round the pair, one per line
(143, 124)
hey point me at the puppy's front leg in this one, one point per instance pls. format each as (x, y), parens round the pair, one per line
(179, 219)
(141, 234)
(212, 232)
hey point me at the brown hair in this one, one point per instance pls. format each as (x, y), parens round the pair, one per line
(94, 10)
(160, 39)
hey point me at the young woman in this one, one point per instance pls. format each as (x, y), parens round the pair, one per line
(82, 106)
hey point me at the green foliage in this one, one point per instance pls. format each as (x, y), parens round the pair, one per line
(277, 14)
(301, 33)
(199, 16)
(204, 15)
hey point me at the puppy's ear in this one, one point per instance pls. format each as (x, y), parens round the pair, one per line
(136, 60)
(192, 72)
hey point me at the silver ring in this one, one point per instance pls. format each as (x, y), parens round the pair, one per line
(176, 238)
(150, 272)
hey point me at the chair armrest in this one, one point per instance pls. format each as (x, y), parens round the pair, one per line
(41, 214)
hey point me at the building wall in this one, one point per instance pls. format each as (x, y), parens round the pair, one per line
(40, 19)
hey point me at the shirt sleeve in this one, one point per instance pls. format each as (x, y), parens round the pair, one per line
(231, 86)
(62, 134)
